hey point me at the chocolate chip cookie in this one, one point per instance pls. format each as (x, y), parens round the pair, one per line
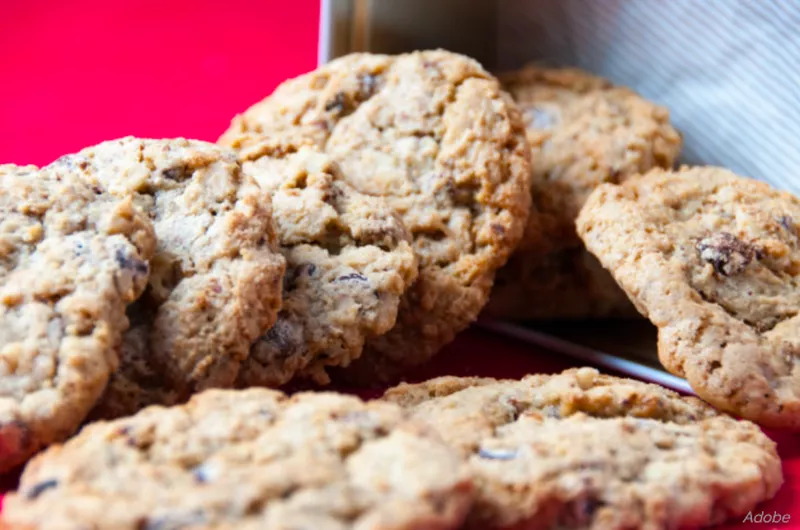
(248, 459)
(215, 283)
(583, 131)
(712, 259)
(584, 450)
(72, 257)
(433, 134)
(349, 261)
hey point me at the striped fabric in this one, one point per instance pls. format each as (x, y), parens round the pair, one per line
(729, 70)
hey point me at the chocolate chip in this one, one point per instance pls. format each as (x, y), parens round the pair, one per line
(353, 276)
(500, 230)
(727, 253)
(40, 488)
(178, 174)
(497, 454)
(787, 223)
(129, 263)
(338, 104)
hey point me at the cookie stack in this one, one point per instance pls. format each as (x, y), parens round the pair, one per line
(345, 229)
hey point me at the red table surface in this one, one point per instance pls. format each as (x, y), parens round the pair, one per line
(76, 73)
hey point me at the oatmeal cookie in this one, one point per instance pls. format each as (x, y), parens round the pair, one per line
(712, 259)
(583, 131)
(349, 261)
(215, 283)
(434, 135)
(248, 459)
(72, 257)
(584, 450)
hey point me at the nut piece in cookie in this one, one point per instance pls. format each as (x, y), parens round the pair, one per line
(349, 261)
(434, 135)
(72, 257)
(712, 259)
(583, 131)
(248, 459)
(216, 276)
(584, 450)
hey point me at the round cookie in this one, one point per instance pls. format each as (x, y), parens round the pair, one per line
(215, 283)
(349, 260)
(433, 134)
(566, 284)
(712, 259)
(584, 450)
(248, 459)
(71, 259)
(582, 131)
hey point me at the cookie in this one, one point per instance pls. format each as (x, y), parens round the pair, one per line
(583, 131)
(248, 459)
(215, 283)
(433, 134)
(349, 261)
(71, 258)
(712, 259)
(137, 383)
(566, 284)
(584, 450)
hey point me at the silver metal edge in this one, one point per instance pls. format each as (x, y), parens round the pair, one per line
(583, 353)
(324, 43)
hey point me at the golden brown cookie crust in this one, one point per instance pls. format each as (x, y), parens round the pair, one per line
(248, 459)
(216, 276)
(584, 450)
(349, 262)
(71, 259)
(712, 260)
(433, 134)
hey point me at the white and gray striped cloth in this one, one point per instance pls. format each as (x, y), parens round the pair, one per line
(728, 70)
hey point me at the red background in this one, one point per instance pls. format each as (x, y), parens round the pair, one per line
(76, 73)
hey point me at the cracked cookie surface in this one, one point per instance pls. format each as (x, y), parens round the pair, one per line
(71, 259)
(248, 459)
(584, 450)
(349, 261)
(433, 134)
(215, 283)
(583, 131)
(712, 259)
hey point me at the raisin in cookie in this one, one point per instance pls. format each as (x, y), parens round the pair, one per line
(583, 131)
(248, 459)
(71, 258)
(584, 450)
(433, 134)
(215, 282)
(349, 261)
(712, 259)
